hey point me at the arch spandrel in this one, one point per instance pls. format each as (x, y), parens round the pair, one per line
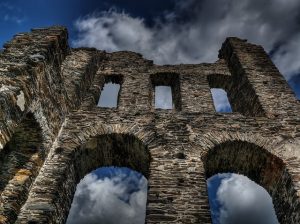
(72, 138)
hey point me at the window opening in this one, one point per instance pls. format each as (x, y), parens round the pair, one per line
(221, 101)
(109, 96)
(166, 91)
(163, 97)
(110, 195)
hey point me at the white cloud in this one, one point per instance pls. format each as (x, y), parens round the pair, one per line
(194, 31)
(243, 201)
(109, 200)
(113, 31)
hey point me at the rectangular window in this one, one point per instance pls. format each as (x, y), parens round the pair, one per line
(166, 91)
(163, 97)
(221, 101)
(234, 95)
(110, 92)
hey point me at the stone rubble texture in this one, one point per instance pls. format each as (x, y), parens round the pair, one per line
(52, 133)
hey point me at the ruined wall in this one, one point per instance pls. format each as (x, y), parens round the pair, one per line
(58, 88)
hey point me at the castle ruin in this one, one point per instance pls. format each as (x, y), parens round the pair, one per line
(52, 133)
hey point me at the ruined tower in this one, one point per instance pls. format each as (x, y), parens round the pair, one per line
(52, 133)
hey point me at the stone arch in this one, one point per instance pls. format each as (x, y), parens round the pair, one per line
(71, 139)
(20, 162)
(261, 162)
(75, 155)
(110, 149)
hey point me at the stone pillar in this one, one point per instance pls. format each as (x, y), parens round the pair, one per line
(78, 71)
(256, 81)
(177, 188)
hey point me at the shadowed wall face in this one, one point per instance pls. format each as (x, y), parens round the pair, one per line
(112, 150)
(20, 162)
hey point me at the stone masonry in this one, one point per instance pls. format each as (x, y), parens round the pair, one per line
(52, 133)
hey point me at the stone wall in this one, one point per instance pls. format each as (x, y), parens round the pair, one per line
(177, 150)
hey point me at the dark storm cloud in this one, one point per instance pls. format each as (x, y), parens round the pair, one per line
(194, 31)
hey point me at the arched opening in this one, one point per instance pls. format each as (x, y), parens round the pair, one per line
(261, 166)
(111, 151)
(234, 198)
(110, 195)
(20, 162)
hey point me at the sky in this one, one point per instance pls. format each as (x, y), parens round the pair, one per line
(110, 196)
(236, 199)
(169, 32)
(198, 27)
(109, 95)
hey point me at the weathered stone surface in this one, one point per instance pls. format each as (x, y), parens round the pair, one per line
(52, 133)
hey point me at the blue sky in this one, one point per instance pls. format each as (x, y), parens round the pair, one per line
(168, 31)
(21, 16)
